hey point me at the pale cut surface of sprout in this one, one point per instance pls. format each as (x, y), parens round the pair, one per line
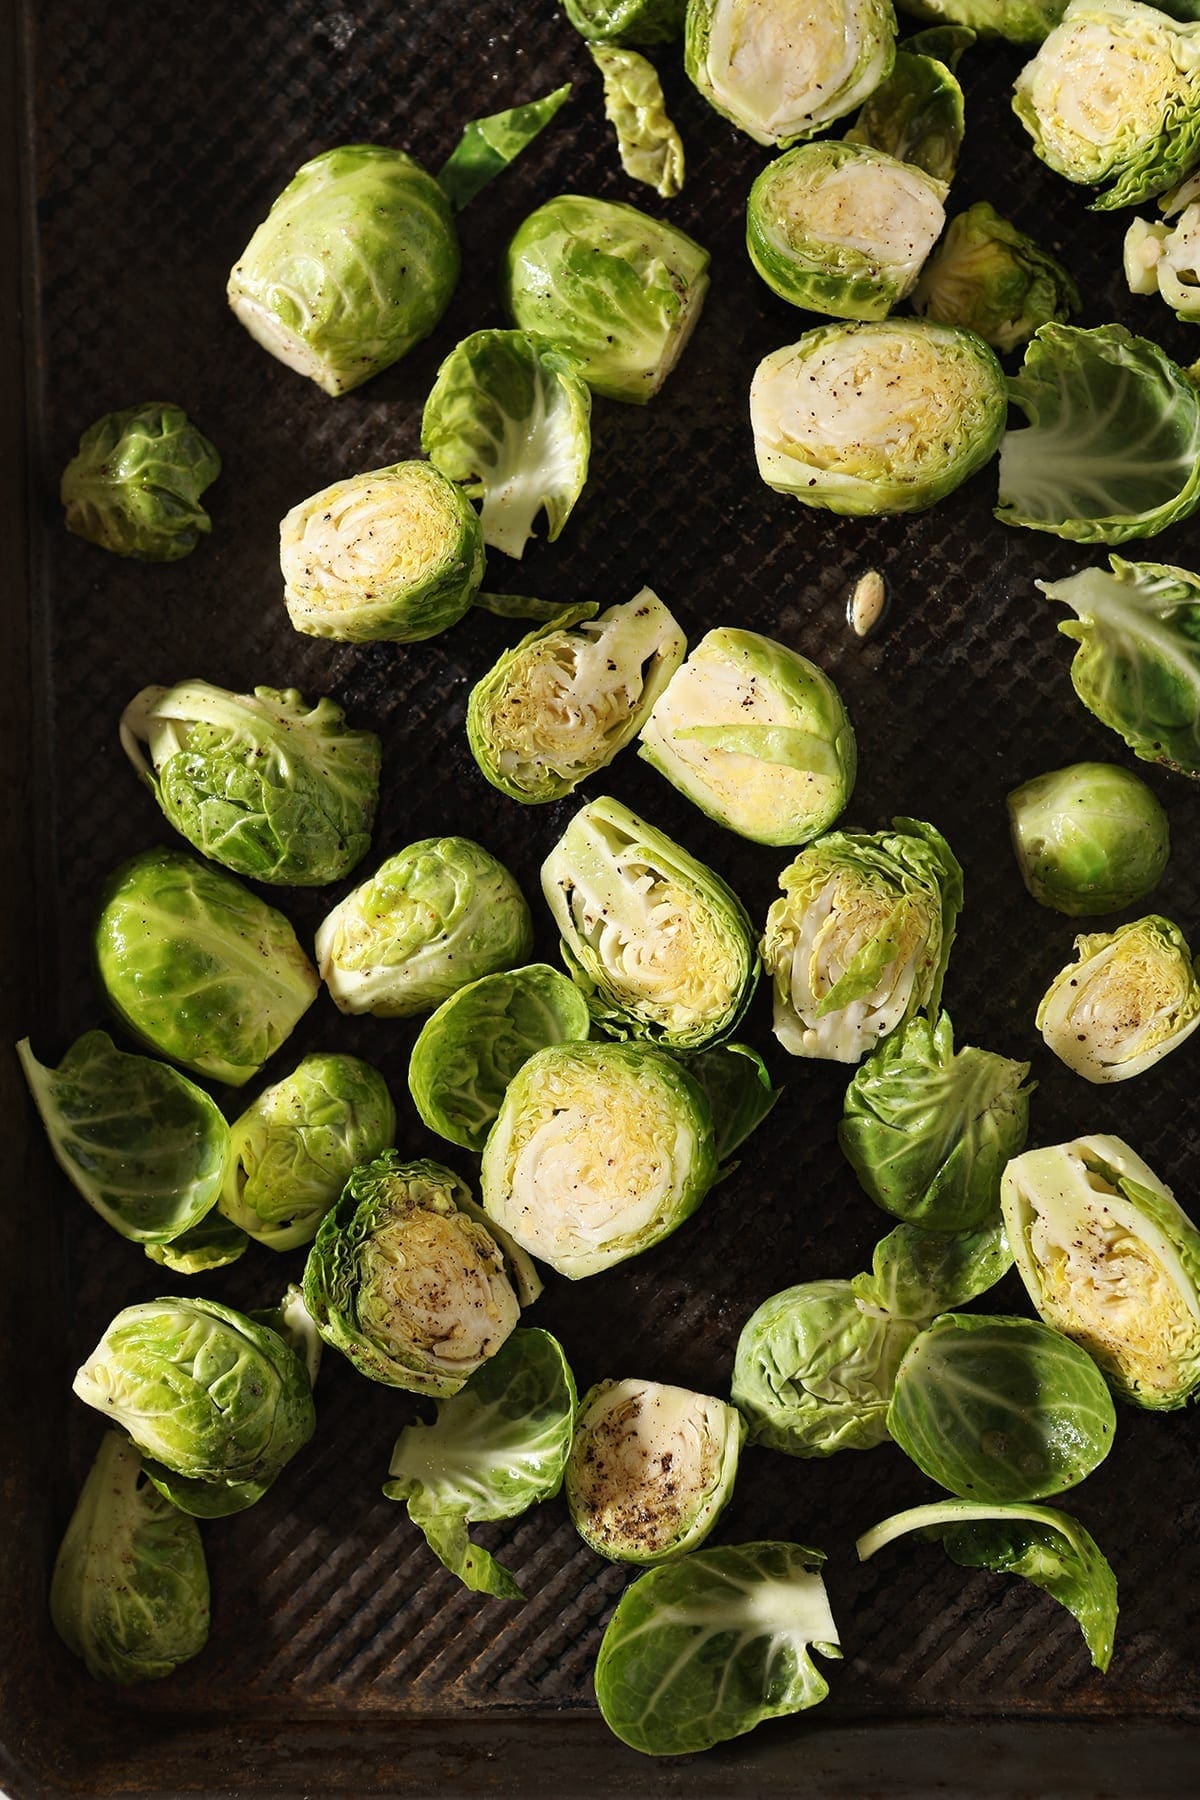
(863, 401)
(842, 918)
(451, 1291)
(868, 205)
(787, 68)
(372, 528)
(1165, 259)
(1130, 998)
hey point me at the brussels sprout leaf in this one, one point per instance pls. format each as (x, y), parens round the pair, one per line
(134, 485)
(211, 1244)
(737, 1086)
(487, 146)
(518, 606)
(916, 115)
(649, 145)
(916, 1274)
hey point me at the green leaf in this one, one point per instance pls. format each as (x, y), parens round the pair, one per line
(212, 1244)
(650, 147)
(518, 606)
(134, 485)
(488, 145)
(916, 115)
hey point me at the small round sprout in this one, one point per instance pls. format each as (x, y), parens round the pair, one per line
(877, 418)
(393, 555)
(1130, 997)
(433, 917)
(756, 736)
(1090, 838)
(134, 484)
(842, 229)
(651, 1468)
(599, 1152)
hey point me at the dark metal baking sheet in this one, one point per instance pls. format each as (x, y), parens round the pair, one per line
(343, 1660)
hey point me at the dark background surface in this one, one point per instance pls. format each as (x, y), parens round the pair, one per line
(343, 1658)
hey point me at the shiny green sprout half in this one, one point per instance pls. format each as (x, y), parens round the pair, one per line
(877, 418)
(841, 228)
(617, 289)
(134, 484)
(662, 948)
(436, 915)
(992, 278)
(599, 1152)
(198, 967)
(1090, 838)
(563, 702)
(1130, 997)
(1110, 1259)
(392, 555)
(756, 736)
(916, 115)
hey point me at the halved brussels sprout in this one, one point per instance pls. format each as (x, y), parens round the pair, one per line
(659, 944)
(1090, 838)
(992, 278)
(651, 1468)
(916, 115)
(617, 289)
(1000, 1409)
(756, 736)
(841, 228)
(708, 1646)
(1020, 21)
(651, 149)
(198, 967)
(1130, 997)
(1112, 447)
(394, 555)
(212, 1244)
(626, 21)
(878, 418)
(1113, 95)
(1111, 1260)
(860, 940)
(294, 1148)
(205, 1391)
(928, 1131)
(436, 915)
(265, 783)
(129, 1593)
(599, 1152)
(473, 1045)
(786, 69)
(1165, 260)
(145, 1147)
(405, 1282)
(509, 416)
(134, 484)
(494, 1450)
(561, 704)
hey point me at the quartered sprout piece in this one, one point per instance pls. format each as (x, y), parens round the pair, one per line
(134, 484)
(1110, 1259)
(993, 279)
(1090, 838)
(1130, 997)
(651, 148)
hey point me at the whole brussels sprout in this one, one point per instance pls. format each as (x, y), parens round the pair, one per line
(394, 555)
(294, 1148)
(992, 278)
(198, 967)
(134, 484)
(1090, 838)
(438, 914)
(1130, 997)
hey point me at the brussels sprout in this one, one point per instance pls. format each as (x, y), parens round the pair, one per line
(509, 416)
(1021, 21)
(129, 1593)
(737, 1086)
(488, 145)
(598, 1153)
(212, 1244)
(1138, 662)
(1112, 447)
(708, 1646)
(928, 1131)
(882, 418)
(394, 555)
(294, 1148)
(860, 940)
(405, 1282)
(294, 1323)
(618, 290)
(495, 1449)
(1130, 997)
(756, 736)
(916, 115)
(842, 228)
(1046, 1547)
(992, 278)
(662, 948)
(436, 915)
(651, 1469)
(783, 70)
(626, 21)
(1111, 1260)
(1090, 838)
(273, 788)
(1113, 95)
(567, 698)
(1000, 1409)
(198, 967)
(651, 149)
(205, 1391)
(145, 1147)
(473, 1045)
(1165, 260)
(134, 484)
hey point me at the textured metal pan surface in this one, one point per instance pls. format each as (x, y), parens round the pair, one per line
(155, 140)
